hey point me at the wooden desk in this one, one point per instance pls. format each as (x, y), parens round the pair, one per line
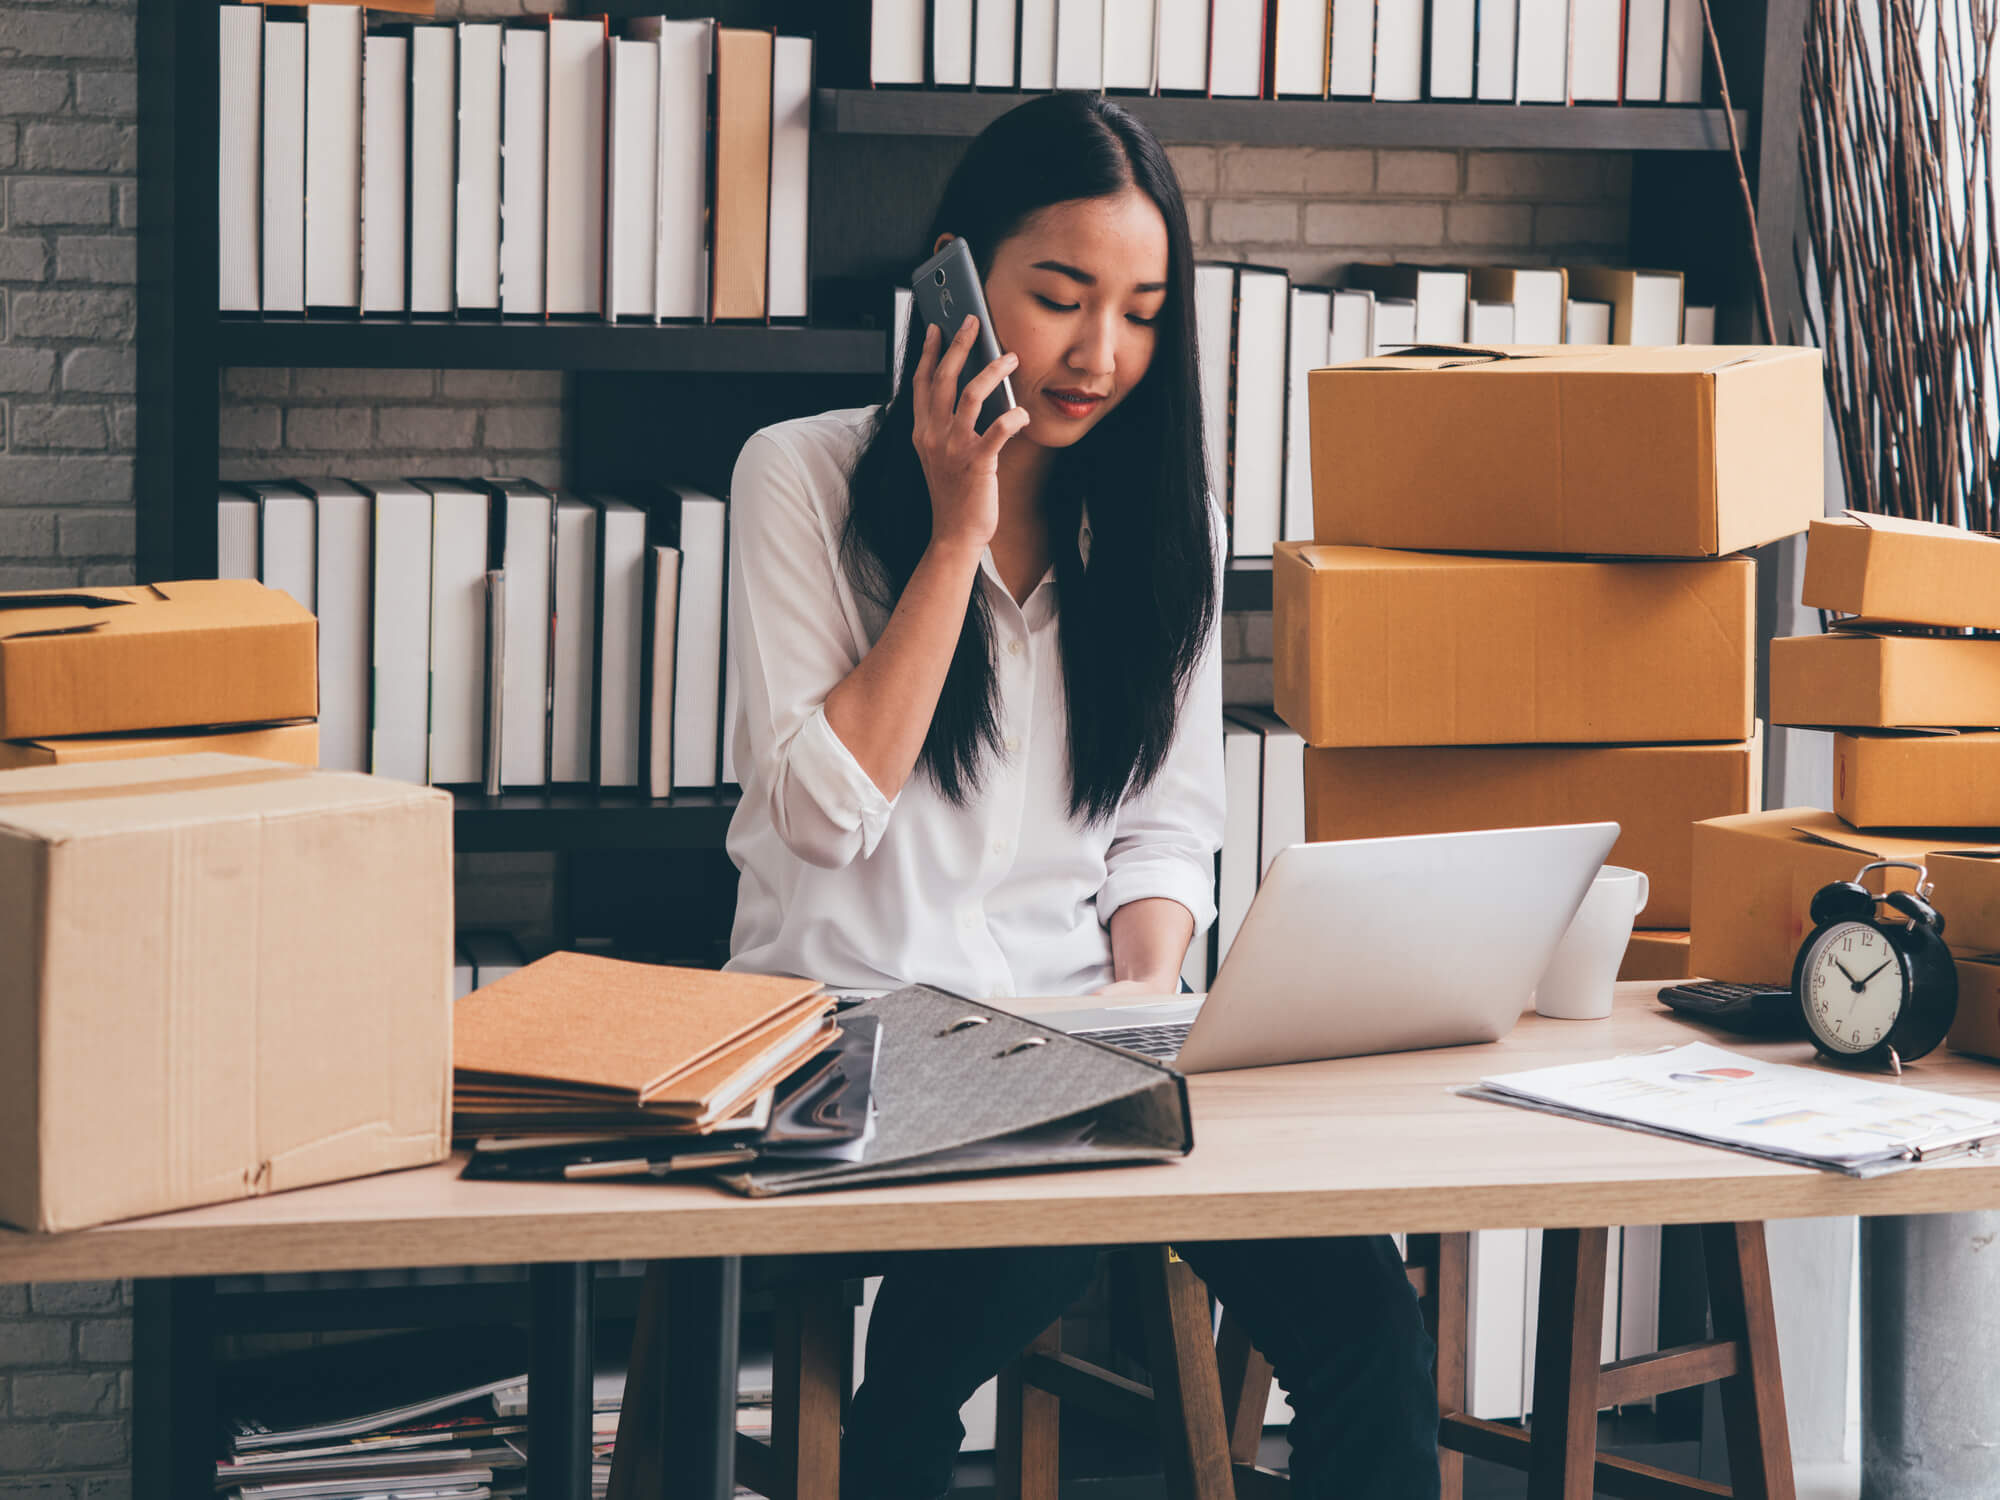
(1360, 1145)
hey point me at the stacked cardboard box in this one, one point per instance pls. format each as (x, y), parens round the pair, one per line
(1441, 686)
(219, 977)
(1909, 681)
(159, 669)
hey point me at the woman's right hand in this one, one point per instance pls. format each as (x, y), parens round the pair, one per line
(961, 466)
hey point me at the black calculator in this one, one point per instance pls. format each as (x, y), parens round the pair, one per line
(1751, 1009)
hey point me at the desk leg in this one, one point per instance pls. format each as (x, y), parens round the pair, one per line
(173, 1388)
(703, 1306)
(559, 1375)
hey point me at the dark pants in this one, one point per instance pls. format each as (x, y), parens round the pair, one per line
(1336, 1318)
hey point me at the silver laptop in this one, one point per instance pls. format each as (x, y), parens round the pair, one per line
(1374, 945)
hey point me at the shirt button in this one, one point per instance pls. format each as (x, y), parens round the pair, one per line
(1013, 648)
(999, 846)
(1013, 743)
(968, 921)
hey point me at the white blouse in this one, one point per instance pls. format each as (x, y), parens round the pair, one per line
(1007, 895)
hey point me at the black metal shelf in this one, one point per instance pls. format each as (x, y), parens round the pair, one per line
(586, 817)
(1308, 122)
(1247, 586)
(709, 349)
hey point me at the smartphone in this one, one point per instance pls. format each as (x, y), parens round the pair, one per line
(947, 292)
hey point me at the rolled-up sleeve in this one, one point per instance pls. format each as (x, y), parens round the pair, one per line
(1167, 835)
(791, 645)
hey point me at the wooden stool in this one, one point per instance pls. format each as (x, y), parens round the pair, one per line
(1208, 1395)
(1209, 1446)
(812, 1367)
(1559, 1451)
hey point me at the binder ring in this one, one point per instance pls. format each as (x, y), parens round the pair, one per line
(1033, 1041)
(964, 1025)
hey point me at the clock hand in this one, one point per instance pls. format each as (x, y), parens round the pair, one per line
(1857, 983)
(1863, 983)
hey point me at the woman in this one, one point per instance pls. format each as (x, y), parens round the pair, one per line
(980, 745)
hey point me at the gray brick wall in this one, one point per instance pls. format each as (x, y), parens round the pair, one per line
(68, 132)
(374, 424)
(67, 267)
(66, 1391)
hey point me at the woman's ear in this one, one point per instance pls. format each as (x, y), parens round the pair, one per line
(942, 241)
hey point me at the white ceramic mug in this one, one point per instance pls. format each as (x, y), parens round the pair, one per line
(1577, 984)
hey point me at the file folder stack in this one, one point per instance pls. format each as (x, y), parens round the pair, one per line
(576, 1046)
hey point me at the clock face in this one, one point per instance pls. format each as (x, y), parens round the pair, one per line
(1855, 987)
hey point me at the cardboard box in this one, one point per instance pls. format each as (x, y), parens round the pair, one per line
(1656, 955)
(1755, 877)
(219, 977)
(1908, 572)
(159, 656)
(1977, 1027)
(1659, 452)
(295, 743)
(1882, 779)
(1655, 793)
(1968, 894)
(1851, 679)
(1420, 648)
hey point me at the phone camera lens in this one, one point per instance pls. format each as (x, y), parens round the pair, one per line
(938, 276)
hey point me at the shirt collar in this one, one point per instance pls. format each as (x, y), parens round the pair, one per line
(1048, 578)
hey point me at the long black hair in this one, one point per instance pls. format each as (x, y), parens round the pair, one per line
(1134, 621)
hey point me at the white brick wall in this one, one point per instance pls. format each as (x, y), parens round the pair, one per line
(68, 129)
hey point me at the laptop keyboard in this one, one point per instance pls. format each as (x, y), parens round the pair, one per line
(1163, 1042)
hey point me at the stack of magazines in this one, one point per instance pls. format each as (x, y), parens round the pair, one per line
(408, 1417)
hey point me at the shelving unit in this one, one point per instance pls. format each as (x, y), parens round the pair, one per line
(1305, 122)
(583, 818)
(648, 400)
(409, 344)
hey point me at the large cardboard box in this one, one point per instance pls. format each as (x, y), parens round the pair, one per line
(1656, 955)
(1421, 648)
(1882, 779)
(158, 656)
(219, 977)
(1977, 1027)
(1755, 877)
(295, 743)
(1655, 793)
(1851, 679)
(1968, 894)
(1674, 452)
(1908, 572)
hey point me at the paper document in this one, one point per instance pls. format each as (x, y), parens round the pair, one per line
(1857, 1123)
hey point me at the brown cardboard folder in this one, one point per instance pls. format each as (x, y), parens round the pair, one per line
(601, 1029)
(962, 1087)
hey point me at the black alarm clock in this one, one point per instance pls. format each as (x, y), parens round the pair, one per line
(1875, 982)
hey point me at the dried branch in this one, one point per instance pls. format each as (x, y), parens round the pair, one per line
(1742, 175)
(1903, 285)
